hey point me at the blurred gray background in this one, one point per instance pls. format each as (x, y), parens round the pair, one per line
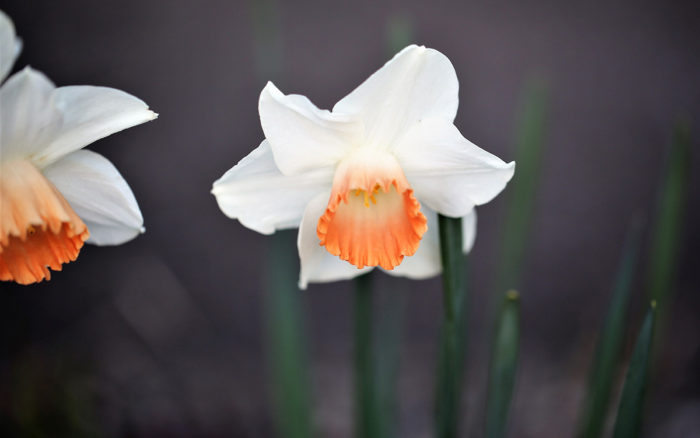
(164, 336)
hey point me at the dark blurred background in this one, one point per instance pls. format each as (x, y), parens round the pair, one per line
(164, 336)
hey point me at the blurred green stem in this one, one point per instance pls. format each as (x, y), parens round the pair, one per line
(504, 358)
(387, 358)
(668, 223)
(286, 340)
(523, 188)
(604, 367)
(366, 415)
(631, 409)
(264, 16)
(286, 337)
(399, 33)
(451, 349)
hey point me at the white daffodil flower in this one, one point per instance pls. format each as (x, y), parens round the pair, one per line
(364, 182)
(54, 196)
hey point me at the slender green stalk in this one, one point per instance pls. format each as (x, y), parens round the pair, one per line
(521, 197)
(609, 347)
(267, 41)
(366, 415)
(630, 410)
(666, 237)
(452, 266)
(399, 33)
(387, 357)
(450, 360)
(504, 360)
(286, 337)
(286, 340)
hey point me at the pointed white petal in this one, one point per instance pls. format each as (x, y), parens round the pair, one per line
(417, 83)
(10, 45)
(256, 193)
(449, 173)
(99, 195)
(27, 118)
(89, 114)
(317, 264)
(425, 263)
(303, 137)
(468, 231)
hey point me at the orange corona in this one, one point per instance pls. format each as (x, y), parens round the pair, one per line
(38, 228)
(372, 217)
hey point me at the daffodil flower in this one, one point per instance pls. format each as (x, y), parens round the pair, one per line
(365, 181)
(54, 196)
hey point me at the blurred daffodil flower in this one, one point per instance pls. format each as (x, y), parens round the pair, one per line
(53, 195)
(365, 181)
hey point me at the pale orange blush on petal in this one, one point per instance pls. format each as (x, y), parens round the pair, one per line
(372, 217)
(38, 228)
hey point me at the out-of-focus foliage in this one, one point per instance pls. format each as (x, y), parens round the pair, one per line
(522, 190)
(631, 409)
(504, 364)
(668, 221)
(609, 349)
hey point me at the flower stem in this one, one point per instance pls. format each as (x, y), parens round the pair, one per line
(286, 341)
(366, 419)
(630, 411)
(451, 354)
(504, 361)
(604, 366)
(522, 193)
(667, 232)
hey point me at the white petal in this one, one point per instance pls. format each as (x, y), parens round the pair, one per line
(27, 118)
(449, 173)
(89, 114)
(417, 83)
(99, 195)
(256, 193)
(303, 137)
(425, 263)
(468, 231)
(317, 264)
(10, 45)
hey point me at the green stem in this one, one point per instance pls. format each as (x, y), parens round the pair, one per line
(452, 264)
(387, 345)
(629, 413)
(522, 193)
(451, 342)
(287, 341)
(365, 397)
(668, 224)
(504, 360)
(604, 366)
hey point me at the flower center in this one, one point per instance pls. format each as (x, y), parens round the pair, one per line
(372, 217)
(38, 228)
